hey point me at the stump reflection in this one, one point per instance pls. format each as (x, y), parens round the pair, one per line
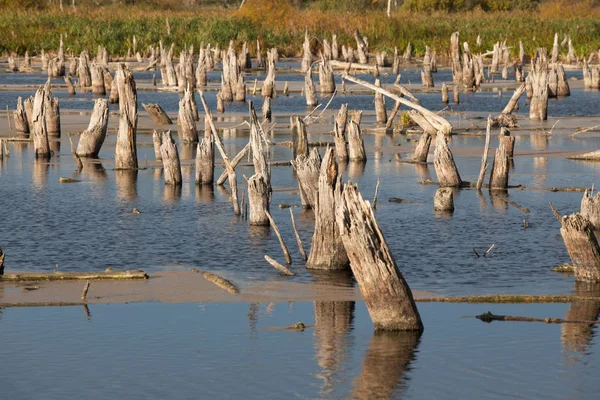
(578, 337)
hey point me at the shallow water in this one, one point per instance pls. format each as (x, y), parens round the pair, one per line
(227, 351)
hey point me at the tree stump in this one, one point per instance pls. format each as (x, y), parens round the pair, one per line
(507, 141)
(361, 47)
(205, 161)
(339, 134)
(307, 171)
(443, 200)
(582, 245)
(563, 85)
(443, 162)
(91, 140)
(309, 90)
(52, 115)
(126, 152)
(156, 142)
(258, 199)
(266, 108)
(157, 114)
(422, 149)
(39, 131)
(326, 81)
(170, 159)
(455, 52)
(380, 111)
(20, 117)
(269, 83)
(97, 73)
(85, 77)
(590, 208)
(387, 295)
(538, 78)
(299, 136)
(445, 99)
(327, 250)
(427, 77)
(187, 124)
(356, 145)
(306, 54)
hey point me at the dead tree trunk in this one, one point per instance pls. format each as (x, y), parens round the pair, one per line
(356, 145)
(326, 81)
(582, 245)
(387, 295)
(361, 47)
(339, 132)
(113, 98)
(443, 200)
(299, 137)
(422, 149)
(258, 198)
(484, 157)
(445, 99)
(444, 165)
(157, 114)
(512, 103)
(266, 108)
(380, 111)
(85, 78)
(538, 108)
(21, 123)
(500, 168)
(97, 73)
(306, 54)
(170, 160)
(70, 87)
(307, 171)
(427, 77)
(563, 85)
(309, 90)
(327, 250)
(590, 208)
(187, 124)
(269, 83)
(156, 142)
(455, 52)
(91, 140)
(205, 161)
(126, 152)
(39, 130)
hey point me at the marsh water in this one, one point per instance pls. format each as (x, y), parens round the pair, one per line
(224, 350)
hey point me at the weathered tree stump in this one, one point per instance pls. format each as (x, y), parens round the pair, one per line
(427, 77)
(157, 114)
(387, 295)
(456, 54)
(445, 99)
(422, 149)
(91, 140)
(538, 77)
(339, 134)
(20, 117)
(590, 208)
(70, 87)
(269, 83)
(443, 200)
(39, 131)
(126, 152)
(500, 167)
(205, 161)
(380, 111)
(356, 145)
(327, 250)
(326, 81)
(307, 171)
(113, 98)
(170, 160)
(299, 137)
(187, 124)
(582, 245)
(97, 73)
(306, 54)
(266, 108)
(156, 142)
(258, 199)
(443, 162)
(240, 89)
(512, 103)
(85, 77)
(309, 90)
(563, 85)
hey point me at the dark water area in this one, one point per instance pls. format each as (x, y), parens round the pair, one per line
(149, 350)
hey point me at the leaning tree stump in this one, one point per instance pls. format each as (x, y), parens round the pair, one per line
(582, 245)
(327, 250)
(443, 162)
(307, 171)
(590, 208)
(356, 145)
(126, 152)
(170, 159)
(422, 149)
(157, 114)
(443, 200)
(39, 131)
(387, 295)
(91, 140)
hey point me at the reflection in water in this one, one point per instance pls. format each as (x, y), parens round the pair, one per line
(386, 362)
(422, 171)
(94, 171)
(540, 164)
(188, 151)
(253, 317)
(55, 147)
(205, 193)
(481, 198)
(171, 194)
(356, 169)
(126, 182)
(499, 199)
(88, 314)
(40, 173)
(377, 154)
(578, 337)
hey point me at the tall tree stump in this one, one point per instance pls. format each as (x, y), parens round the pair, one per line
(326, 81)
(205, 161)
(327, 250)
(299, 136)
(187, 124)
(91, 140)
(307, 171)
(387, 295)
(258, 199)
(170, 159)
(309, 90)
(126, 152)
(443, 162)
(20, 117)
(97, 73)
(380, 111)
(356, 145)
(339, 134)
(39, 130)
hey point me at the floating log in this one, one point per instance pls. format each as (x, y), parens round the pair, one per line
(422, 149)
(356, 145)
(187, 124)
(590, 208)
(339, 134)
(205, 161)
(380, 111)
(582, 245)
(91, 140)
(327, 250)
(126, 152)
(309, 90)
(157, 114)
(307, 170)
(283, 269)
(386, 293)
(445, 167)
(443, 200)
(71, 276)
(299, 136)
(590, 156)
(219, 281)
(20, 117)
(39, 131)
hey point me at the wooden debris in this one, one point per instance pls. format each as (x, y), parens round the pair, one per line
(484, 157)
(217, 280)
(283, 269)
(443, 200)
(157, 114)
(85, 290)
(284, 248)
(75, 156)
(380, 111)
(69, 276)
(422, 149)
(298, 240)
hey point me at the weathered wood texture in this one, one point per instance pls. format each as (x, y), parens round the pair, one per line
(422, 149)
(187, 124)
(356, 145)
(39, 131)
(339, 133)
(386, 293)
(157, 114)
(307, 171)
(205, 161)
(20, 117)
(170, 159)
(443, 200)
(91, 140)
(126, 152)
(590, 208)
(299, 136)
(444, 164)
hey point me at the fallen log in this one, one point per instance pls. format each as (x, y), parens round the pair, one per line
(157, 114)
(283, 269)
(217, 280)
(69, 276)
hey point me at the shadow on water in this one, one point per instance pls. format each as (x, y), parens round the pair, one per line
(385, 364)
(579, 337)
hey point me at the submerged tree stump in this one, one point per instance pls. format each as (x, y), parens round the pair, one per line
(20, 117)
(97, 73)
(443, 162)
(326, 81)
(157, 114)
(70, 87)
(126, 152)
(91, 140)
(156, 142)
(443, 200)
(356, 145)
(327, 250)
(582, 245)
(307, 171)
(269, 83)
(590, 208)
(387, 295)
(85, 77)
(538, 78)
(170, 159)
(500, 168)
